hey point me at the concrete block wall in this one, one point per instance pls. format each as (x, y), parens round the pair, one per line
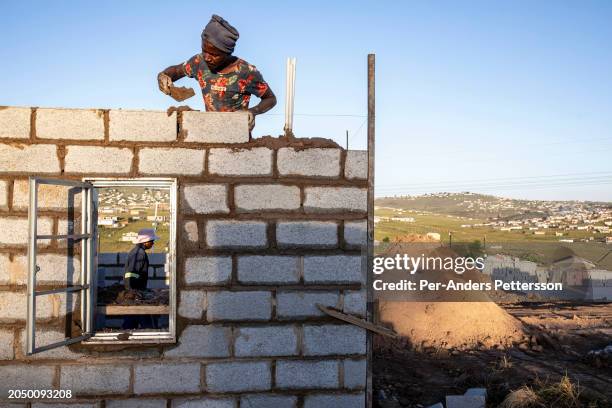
(265, 232)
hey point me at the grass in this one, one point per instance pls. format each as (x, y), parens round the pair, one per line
(561, 394)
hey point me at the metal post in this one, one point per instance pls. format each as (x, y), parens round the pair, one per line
(289, 96)
(32, 269)
(370, 309)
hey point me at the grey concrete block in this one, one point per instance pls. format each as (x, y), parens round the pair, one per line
(7, 339)
(335, 199)
(35, 159)
(204, 403)
(476, 392)
(297, 374)
(356, 166)
(216, 127)
(356, 233)
(50, 197)
(142, 126)
(45, 337)
(300, 305)
(77, 124)
(4, 186)
(13, 306)
(15, 230)
(136, 403)
(108, 258)
(314, 234)
(239, 377)
(236, 234)
(316, 162)
(332, 339)
(335, 401)
(202, 341)
(268, 269)
(333, 269)
(173, 161)
(192, 304)
(98, 160)
(266, 197)
(225, 305)
(437, 405)
(208, 270)
(255, 161)
(355, 374)
(55, 268)
(268, 401)
(166, 378)
(355, 302)
(95, 379)
(15, 122)
(463, 401)
(65, 405)
(266, 341)
(205, 199)
(22, 376)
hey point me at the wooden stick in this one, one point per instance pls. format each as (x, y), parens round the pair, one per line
(357, 321)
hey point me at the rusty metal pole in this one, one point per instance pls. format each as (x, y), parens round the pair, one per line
(370, 309)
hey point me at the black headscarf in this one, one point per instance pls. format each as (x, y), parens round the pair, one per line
(221, 34)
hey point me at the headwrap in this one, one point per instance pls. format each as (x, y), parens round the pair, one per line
(221, 34)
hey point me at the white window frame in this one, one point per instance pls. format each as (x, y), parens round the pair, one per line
(89, 263)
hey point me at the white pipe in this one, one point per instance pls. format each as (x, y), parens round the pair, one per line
(289, 94)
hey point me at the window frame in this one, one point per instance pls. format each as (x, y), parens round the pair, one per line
(140, 336)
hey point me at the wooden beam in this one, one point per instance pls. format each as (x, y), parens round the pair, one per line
(114, 310)
(357, 321)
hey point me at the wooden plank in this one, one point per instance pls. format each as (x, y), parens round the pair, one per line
(357, 321)
(113, 310)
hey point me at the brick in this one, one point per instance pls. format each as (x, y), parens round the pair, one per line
(76, 124)
(236, 234)
(190, 229)
(204, 403)
(98, 160)
(335, 401)
(4, 186)
(142, 126)
(333, 269)
(299, 305)
(208, 270)
(177, 161)
(192, 304)
(202, 341)
(238, 377)
(335, 199)
(315, 162)
(15, 122)
(50, 197)
(268, 401)
(215, 127)
(14, 306)
(355, 302)
(266, 197)
(107, 258)
(45, 337)
(266, 341)
(465, 401)
(67, 405)
(29, 377)
(6, 270)
(307, 374)
(256, 161)
(356, 233)
(205, 199)
(34, 159)
(356, 166)
(268, 269)
(95, 379)
(15, 230)
(355, 374)
(56, 268)
(225, 305)
(7, 341)
(314, 234)
(166, 378)
(136, 403)
(331, 339)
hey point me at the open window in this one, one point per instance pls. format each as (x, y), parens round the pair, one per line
(112, 309)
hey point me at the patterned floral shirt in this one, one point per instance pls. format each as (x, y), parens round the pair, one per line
(226, 92)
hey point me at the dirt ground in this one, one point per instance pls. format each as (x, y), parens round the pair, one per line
(557, 341)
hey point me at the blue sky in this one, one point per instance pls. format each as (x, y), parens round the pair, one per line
(507, 98)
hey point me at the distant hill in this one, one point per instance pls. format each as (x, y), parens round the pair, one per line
(480, 206)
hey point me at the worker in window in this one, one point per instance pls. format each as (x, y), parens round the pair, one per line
(137, 274)
(227, 81)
